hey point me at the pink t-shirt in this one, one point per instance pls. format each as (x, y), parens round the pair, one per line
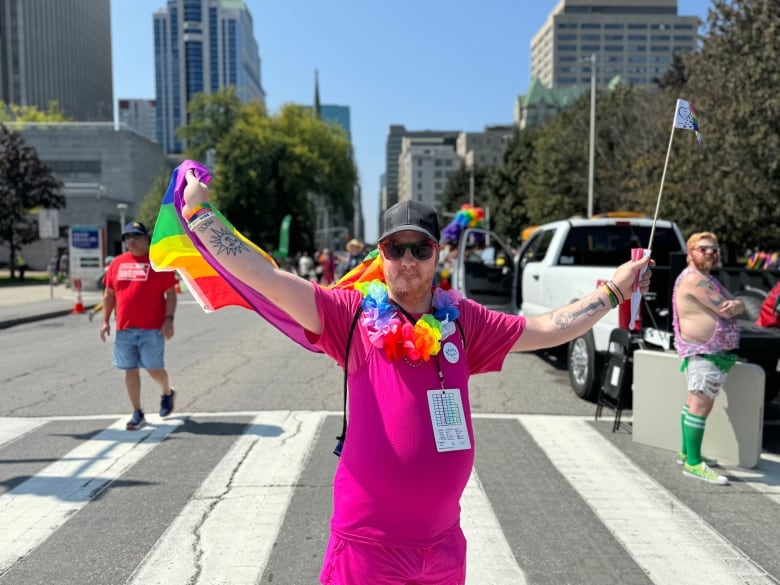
(391, 484)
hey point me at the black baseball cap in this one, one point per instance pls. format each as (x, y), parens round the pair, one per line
(411, 215)
(136, 227)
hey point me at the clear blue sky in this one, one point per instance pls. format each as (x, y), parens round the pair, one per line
(455, 65)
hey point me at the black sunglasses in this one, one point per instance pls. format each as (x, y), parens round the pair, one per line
(396, 250)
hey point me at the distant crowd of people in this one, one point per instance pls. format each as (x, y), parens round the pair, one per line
(326, 266)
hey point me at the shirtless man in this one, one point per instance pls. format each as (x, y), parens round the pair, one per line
(705, 332)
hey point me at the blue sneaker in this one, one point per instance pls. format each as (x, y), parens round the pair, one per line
(136, 421)
(166, 403)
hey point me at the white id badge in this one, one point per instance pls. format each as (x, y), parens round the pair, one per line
(449, 420)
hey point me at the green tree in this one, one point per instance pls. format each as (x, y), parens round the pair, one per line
(25, 183)
(268, 167)
(457, 190)
(557, 178)
(150, 206)
(506, 186)
(210, 118)
(17, 113)
(731, 184)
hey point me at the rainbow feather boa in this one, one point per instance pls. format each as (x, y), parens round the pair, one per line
(399, 338)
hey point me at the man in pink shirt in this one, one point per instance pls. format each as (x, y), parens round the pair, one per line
(410, 446)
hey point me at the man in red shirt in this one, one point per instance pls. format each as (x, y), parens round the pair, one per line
(145, 302)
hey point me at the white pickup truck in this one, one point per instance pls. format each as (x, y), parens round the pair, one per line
(564, 260)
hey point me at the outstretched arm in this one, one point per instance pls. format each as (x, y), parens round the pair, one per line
(292, 294)
(571, 321)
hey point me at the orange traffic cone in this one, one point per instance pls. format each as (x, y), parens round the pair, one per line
(78, 307)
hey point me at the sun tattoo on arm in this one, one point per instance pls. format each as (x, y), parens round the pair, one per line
(226, 242)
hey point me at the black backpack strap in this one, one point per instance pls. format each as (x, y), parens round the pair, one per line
(340, 439)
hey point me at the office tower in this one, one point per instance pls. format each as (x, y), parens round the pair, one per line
(633, 39)
(393, 148)
(201, 46)
(140, 116)
(57, 51)
(424, 165)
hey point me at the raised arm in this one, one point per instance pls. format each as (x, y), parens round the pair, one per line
(292, 294)
(571, 321)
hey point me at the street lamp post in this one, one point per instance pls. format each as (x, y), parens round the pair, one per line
(592, 145)
(122, 207)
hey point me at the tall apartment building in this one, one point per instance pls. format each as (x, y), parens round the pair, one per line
(633, 39)
(201, 46)
(57, 51)
(393, 146)
(139, 115)
(424, 165)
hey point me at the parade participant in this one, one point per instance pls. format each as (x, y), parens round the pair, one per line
(769, 314)
(705, 332)
(409, 448)
(145, 303)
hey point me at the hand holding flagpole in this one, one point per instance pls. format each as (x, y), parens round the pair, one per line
(684, 118)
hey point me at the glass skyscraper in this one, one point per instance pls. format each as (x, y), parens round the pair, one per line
(201, 46)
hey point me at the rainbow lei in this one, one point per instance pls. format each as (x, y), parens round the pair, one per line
(398, 337)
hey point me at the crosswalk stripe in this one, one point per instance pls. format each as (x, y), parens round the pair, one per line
(36, 508)
(489, 554)
(226, 533)
(12, 428)
(665, 537)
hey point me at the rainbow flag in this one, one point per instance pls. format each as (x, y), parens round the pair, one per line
(173, 247)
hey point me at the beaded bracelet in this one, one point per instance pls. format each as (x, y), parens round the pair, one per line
(195, 210)
(199, 219)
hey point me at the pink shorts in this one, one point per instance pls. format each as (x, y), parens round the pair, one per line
(357, 562)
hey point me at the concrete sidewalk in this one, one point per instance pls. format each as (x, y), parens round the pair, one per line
(33, 302)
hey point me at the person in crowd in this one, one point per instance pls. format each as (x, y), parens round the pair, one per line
(328, 267)
(145, 304)
(705, 333)
(306, 266)
(409, 447)
(64, 267)
(21, 264)
(769, 314)
(354, 257)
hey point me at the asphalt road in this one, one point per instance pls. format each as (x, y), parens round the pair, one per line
(236, 486)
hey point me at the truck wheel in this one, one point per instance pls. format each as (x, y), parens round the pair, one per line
(584, 367)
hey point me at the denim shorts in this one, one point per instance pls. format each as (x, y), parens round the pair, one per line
(139, 348)
(704, 376)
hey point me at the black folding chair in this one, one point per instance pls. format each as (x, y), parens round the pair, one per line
(617, 375)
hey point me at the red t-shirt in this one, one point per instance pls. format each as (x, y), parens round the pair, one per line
(139, 289)
(767, 316)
